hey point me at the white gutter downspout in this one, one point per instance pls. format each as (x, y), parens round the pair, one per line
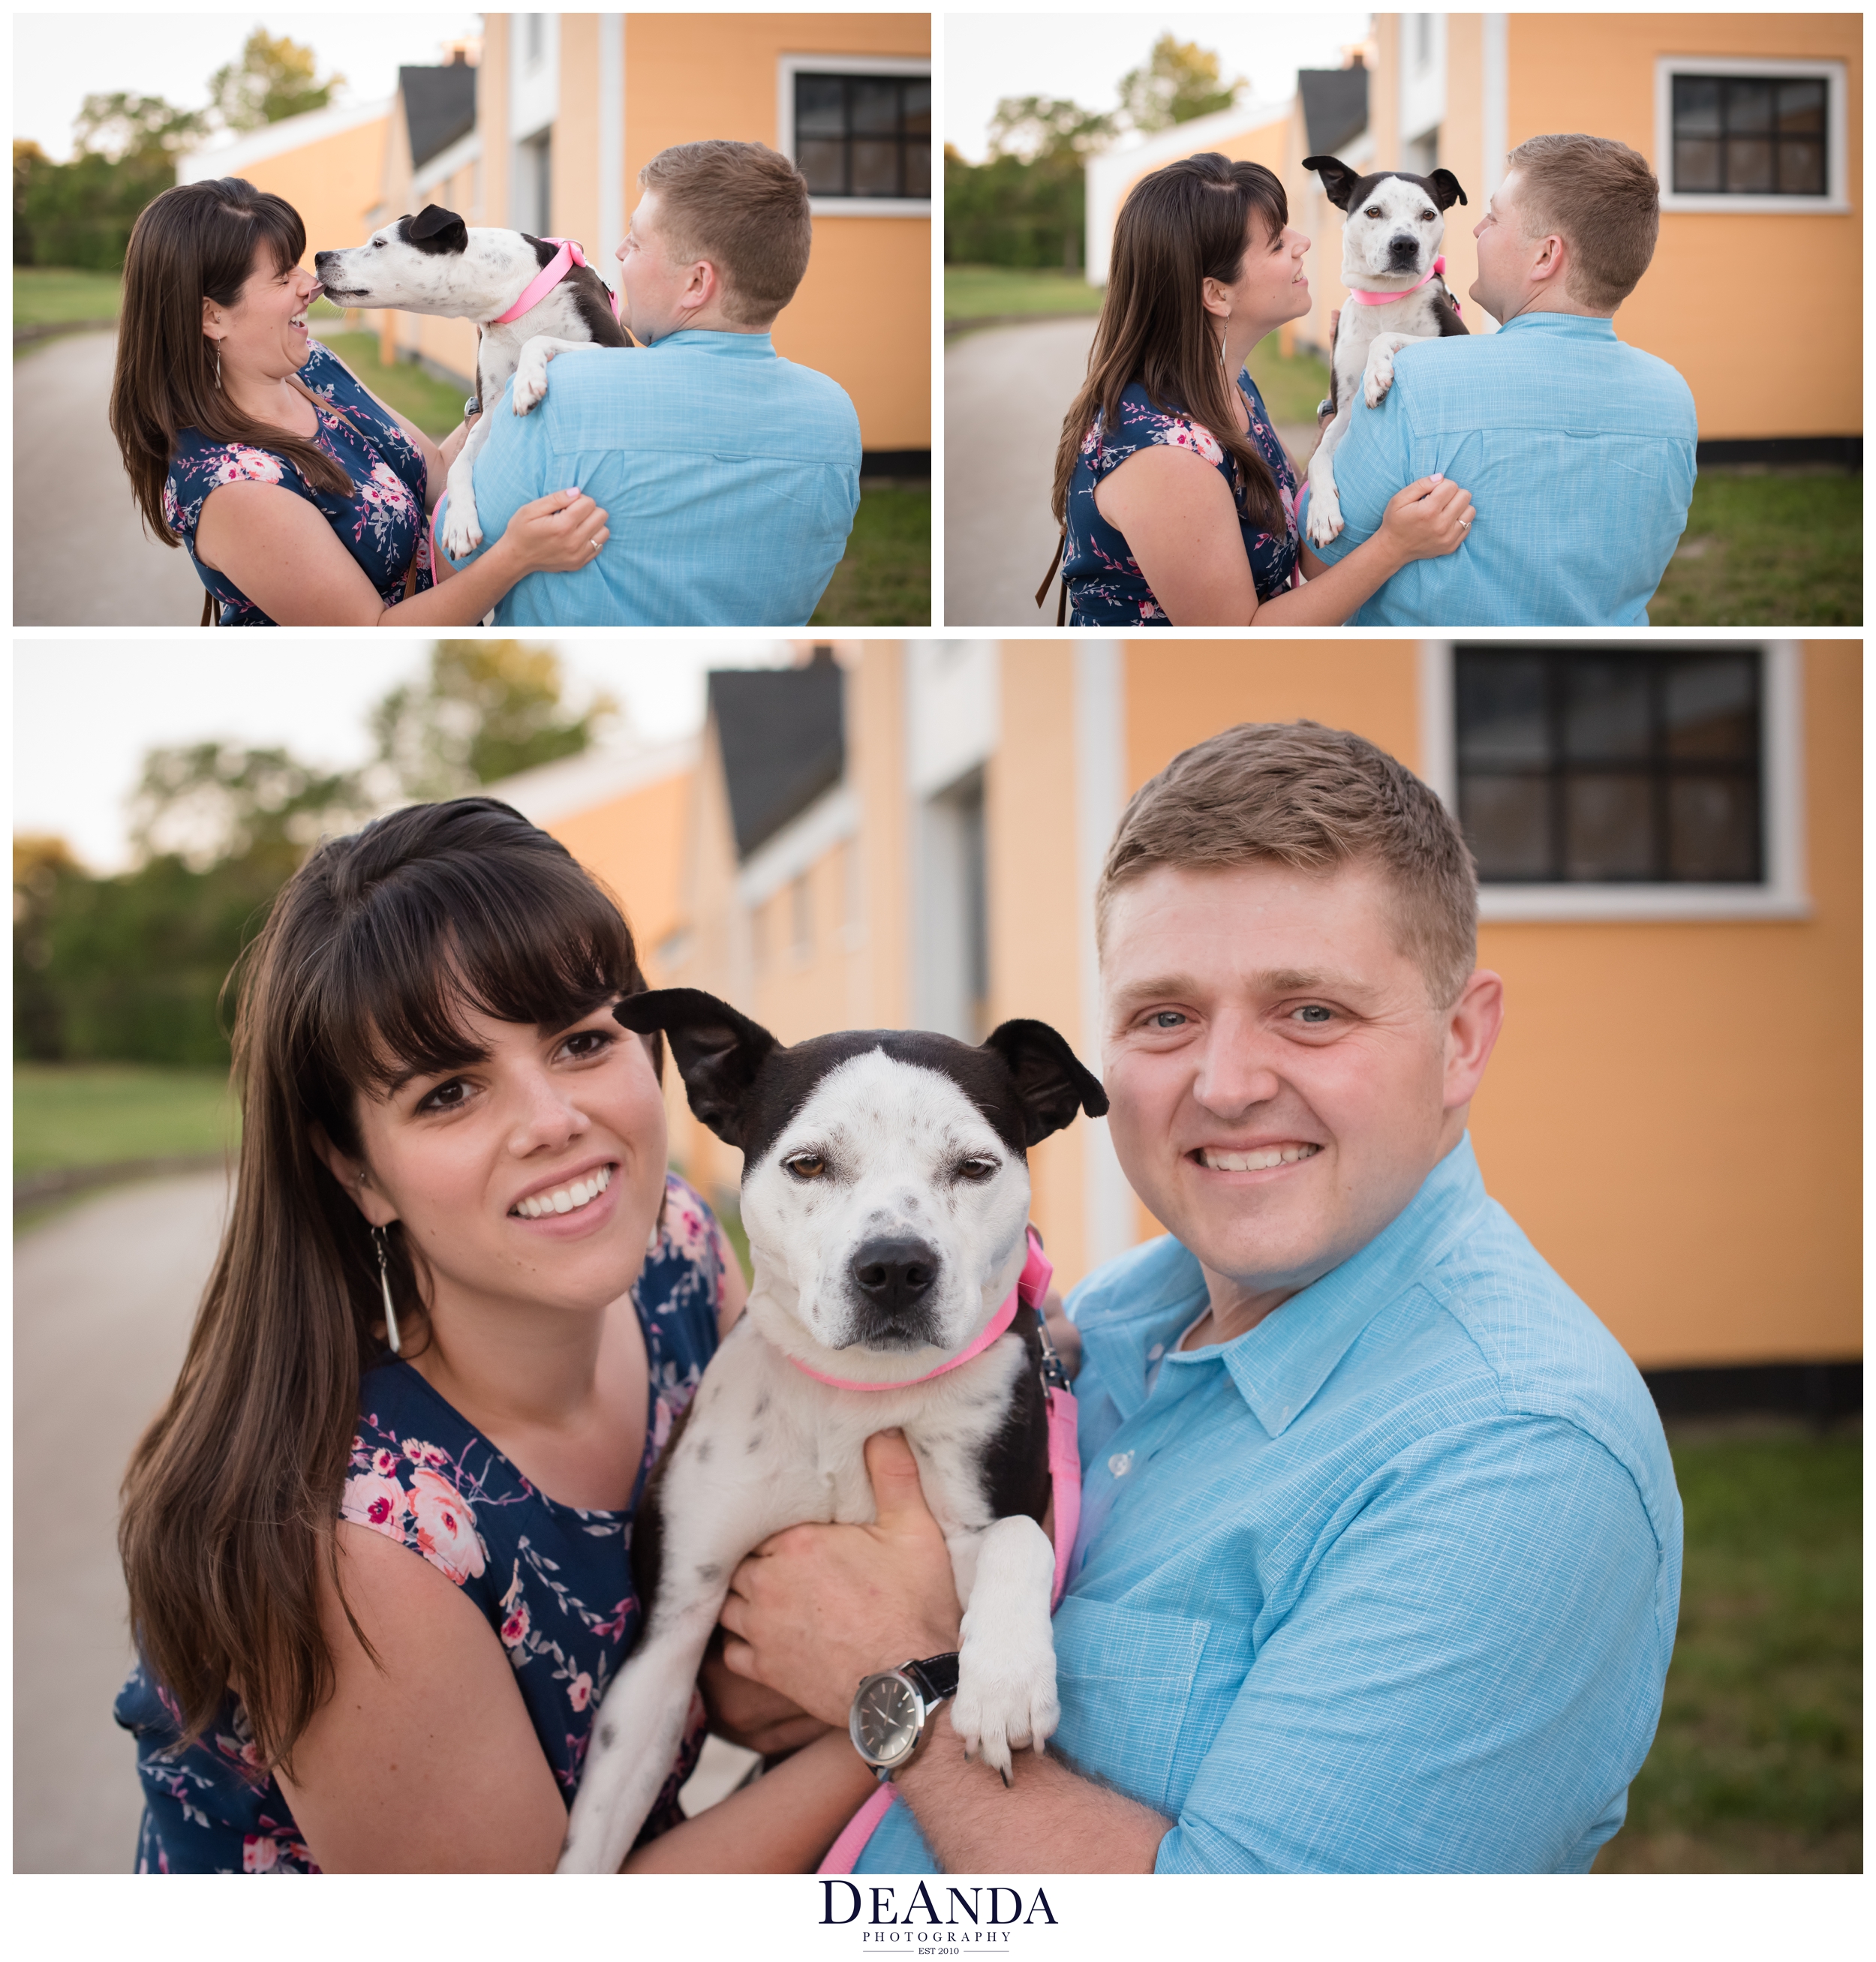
(612, 205)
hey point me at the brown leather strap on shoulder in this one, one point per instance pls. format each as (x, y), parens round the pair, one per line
(211, 613)
(1042, 591)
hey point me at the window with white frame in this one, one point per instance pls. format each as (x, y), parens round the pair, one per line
(1750, 134)
(1614, 781)
(859, 129)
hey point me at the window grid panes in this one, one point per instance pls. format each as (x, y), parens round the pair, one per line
(863, 135)
(1609, 766)
(1758, 136)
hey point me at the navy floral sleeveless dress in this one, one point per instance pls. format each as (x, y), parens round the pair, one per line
(553, 1582)
(380, 524)
(1105, 587)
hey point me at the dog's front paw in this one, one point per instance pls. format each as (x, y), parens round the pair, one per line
(1325, 515)
(1006, 1698)
(1379, 379)
(530, 388)
(461, 532)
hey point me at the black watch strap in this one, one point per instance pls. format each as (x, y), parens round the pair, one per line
(936, 1677)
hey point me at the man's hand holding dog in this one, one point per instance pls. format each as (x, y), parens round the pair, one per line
(813, 1609)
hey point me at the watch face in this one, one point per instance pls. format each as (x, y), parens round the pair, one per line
(884, 1722)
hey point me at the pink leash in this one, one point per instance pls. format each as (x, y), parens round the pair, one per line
(1065, 1475)
(1387, 299)
(550, 276)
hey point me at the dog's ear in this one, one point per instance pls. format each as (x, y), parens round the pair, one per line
(1446, 189)
(718, 1051)
(434, 229)
(1050, 1080)
(1337, 179)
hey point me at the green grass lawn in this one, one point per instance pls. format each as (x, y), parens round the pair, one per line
(885, 578)
(1768, 548)
(1757, 1765)
(45, 294)
(66, 1115)
(981, 292)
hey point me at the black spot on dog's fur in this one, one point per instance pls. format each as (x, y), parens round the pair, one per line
(761, 1403)
(589, 296)
(435, 231)
(607, 1733)
(709, 1571)
(1015, 1471)
(754, 1443)
(704, 1451)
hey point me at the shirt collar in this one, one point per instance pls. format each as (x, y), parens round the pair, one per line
(1279, 1365)
(1593, 326)
(750, 347)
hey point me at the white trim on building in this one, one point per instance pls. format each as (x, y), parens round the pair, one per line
(1781, 894)
(445, 164)
(230, 159)
(799, 845)
(787, 68)
(1836, 196)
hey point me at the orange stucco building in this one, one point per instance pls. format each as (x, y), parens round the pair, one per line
(1673, 1113)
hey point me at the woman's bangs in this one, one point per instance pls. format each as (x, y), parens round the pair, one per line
(420, 960)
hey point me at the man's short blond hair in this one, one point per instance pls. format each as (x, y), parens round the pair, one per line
(1315, 800)
(1602, 200)
(743, 207)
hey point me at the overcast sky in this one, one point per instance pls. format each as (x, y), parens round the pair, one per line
(59, 59)
(1082, 55)
(84, 712)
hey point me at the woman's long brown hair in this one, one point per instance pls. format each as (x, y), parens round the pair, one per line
(195, 241)
(1179, 227)
(372, 953)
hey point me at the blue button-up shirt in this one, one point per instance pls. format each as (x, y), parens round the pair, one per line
(1388, 1583)
(1579, 453)
(729, 478)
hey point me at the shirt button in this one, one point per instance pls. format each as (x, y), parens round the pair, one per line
(1121, 1464)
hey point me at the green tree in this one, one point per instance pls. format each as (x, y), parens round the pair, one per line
(273, 79)
(1025, 204)
(80, 213)
(208, 804)
(486, 710)
(1177, 81)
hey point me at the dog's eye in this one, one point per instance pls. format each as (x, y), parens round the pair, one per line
(1373, 211)
(977, 1170)
(804, 1164)
(1424, 216)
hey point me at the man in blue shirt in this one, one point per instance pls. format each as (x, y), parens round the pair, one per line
(730, 477)
(1379, 1555)
(1578, 451)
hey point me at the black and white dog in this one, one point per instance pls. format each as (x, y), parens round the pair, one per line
(435, 263)
(886, 1196)
(1390, 267)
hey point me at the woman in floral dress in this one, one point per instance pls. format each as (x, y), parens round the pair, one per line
(300, 498)
(377, 1542)
(1177, 502)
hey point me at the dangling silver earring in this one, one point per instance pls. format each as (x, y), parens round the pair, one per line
(383, 1281)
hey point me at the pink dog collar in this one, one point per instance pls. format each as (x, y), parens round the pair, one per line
(548, 278)
(1031, 1285)
(1387, 299)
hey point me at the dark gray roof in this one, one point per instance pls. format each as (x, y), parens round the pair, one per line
(439, 106)
(783, 739)
(1334, 105)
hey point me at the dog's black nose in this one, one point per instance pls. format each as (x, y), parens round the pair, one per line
(1403, 249)
(894, 1275)
(320, 258)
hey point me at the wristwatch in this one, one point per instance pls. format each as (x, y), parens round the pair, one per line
(890, 1711)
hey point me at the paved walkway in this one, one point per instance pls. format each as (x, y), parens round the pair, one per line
(80, 558)
(1006, 390)
(103, 1298)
